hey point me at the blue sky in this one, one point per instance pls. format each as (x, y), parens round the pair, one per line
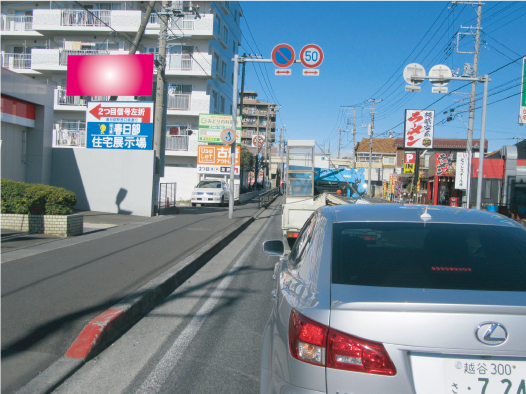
(366, 47)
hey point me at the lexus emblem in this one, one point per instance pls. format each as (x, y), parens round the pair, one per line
(491, 333)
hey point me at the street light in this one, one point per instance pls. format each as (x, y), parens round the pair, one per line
(441, 77)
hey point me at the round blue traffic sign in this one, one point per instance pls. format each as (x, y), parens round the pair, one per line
(283, 55)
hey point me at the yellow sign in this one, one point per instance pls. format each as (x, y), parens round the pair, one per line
(409, 168)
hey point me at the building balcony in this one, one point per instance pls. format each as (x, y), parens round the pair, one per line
(82, 21)
(73, 103)
(70, 133)
(190, 65)
(186, 26)
(17, 25)
(188, 104)
(57, 59)
(181, 145)
(177, 142)
(16, 61)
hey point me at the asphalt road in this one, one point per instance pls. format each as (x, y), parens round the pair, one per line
(48, 298)
(203, 338)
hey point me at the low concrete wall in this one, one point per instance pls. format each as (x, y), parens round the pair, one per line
(61, 225)
(106, 180)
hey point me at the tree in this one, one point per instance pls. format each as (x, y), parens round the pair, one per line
(247, 161)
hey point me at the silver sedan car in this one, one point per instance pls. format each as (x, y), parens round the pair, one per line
(389, 298)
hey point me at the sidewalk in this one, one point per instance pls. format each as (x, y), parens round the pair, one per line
(97, 221)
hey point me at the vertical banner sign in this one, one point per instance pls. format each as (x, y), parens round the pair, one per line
(522, 115)
(409, 163)
(419, 181)
(211, 125)
(445, 164)
(418, 128)
(119, 125)
(461, 175)
(384, 189)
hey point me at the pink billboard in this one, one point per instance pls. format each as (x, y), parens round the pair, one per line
(109, 75)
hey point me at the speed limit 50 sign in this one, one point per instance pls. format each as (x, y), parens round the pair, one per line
(311, 56)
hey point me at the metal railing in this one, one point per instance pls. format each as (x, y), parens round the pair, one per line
(167, 195)
(179, 101)
(16, 22)
(17, 61)
(70, 136)
(85, 18)
(268, 196)
(178, 23)
(177, 142)
(64, 53)
(179, 62)
(62, 99)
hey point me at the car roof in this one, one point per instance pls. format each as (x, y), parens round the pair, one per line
(412, 213)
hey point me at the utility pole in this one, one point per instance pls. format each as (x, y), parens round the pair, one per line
(354, 139)
(471, 122)
(339, 141)
(159, 111)
(233, 146)
(371, 134)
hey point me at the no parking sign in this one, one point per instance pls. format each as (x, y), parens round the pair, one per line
(283, 55)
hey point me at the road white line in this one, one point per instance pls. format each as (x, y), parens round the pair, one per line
(160, 374)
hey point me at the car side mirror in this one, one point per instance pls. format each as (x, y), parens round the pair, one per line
(274, 247)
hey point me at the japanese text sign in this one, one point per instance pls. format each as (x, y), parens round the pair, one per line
(110, 75)
(215, 159)
(119, 125)
(445, 165)
(211, 125)
(418, 128)
(461, 176)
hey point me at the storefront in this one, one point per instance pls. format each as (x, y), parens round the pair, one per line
(446, 188)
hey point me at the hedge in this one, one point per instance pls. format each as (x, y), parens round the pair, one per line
(36, 199)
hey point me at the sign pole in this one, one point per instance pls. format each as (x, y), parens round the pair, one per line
(482, 143)
(233, 146)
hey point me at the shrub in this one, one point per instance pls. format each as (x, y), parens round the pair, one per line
(36, 199)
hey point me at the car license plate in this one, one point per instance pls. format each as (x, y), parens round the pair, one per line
(484, 376)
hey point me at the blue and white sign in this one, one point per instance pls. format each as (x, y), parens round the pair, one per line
(119, 125)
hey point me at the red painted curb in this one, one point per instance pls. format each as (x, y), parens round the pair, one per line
(88, 337)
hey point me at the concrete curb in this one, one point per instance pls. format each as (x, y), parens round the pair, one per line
(104, 329)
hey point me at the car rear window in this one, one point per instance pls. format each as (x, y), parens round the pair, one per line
(436, 256)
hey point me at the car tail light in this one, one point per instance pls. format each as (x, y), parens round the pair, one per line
(356, 354)
(316, 344)
(307, 339)
(292, 234)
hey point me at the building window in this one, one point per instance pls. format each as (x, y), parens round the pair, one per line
(216, 59)
(364, 157)
(488, 188)
(223, 69)
(232, 78)
(389, 160)
(218, 25)
(234, 46)
(251, 110)
(225, 35)
(179, 89)
(230, 109)
(222, 104)
(214, 97)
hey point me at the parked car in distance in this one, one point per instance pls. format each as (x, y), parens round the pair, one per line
(210, 192)
(392, 298)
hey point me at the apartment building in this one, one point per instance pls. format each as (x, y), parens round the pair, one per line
(38, 37)
(256, 116)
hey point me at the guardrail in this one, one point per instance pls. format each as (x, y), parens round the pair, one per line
(268, 196)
